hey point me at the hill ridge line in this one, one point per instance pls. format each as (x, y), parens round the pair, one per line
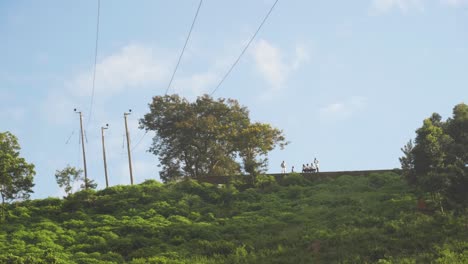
(312, 175)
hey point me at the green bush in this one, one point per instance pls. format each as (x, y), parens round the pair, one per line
(265, 181)
(294, 179)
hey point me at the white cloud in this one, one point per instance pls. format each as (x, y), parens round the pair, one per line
(195, 84)
(455, 3)
(270, 62)
(384, 6)
(134, 66)
(343, 109)
(302, 56)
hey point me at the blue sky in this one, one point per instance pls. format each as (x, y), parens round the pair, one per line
(347, 81)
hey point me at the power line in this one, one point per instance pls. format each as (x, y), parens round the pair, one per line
(245, 48)
(68, 140)
(95, 62)
(177, 65)
(140, 140)
(185, 45)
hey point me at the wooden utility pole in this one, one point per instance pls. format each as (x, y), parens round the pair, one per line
(128, 146)
(104, 154)
(83, 148)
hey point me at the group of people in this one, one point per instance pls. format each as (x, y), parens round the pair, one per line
(306, 168)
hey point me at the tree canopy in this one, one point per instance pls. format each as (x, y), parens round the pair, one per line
(207, 137)
(437, 162)
(16, 175)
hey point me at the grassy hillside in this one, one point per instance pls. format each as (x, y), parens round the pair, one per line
(350, 219)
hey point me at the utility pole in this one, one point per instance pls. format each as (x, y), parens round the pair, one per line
(128, 146)
(104, 154)
(83, 148)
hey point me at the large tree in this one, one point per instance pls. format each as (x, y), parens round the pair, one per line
(207, 137)
(437, 162)
(16, 175)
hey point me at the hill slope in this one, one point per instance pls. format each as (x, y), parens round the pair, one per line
(350, 219)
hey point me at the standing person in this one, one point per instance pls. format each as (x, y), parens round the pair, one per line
(283, 167)
(292, 169)
(316, 162)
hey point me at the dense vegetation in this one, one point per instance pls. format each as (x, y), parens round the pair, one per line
(16, 175)
(437, 163)
(365, 219)
(420, 216)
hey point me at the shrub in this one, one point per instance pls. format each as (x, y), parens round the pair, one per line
(294, 179)
(265, 181)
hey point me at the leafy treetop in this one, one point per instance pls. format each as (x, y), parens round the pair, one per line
(16, 175)
(437, 161)
(206, 137)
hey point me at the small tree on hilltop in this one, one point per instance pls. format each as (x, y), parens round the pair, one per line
(69, 175)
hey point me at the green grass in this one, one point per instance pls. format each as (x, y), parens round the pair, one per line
(350, 219)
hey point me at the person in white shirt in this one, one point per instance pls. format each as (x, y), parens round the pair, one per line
(316, 162)
(283, 167)
(312, 167)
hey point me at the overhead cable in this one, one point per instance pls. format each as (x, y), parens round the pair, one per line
(68, 140)
(185, 45)
(139, 141)
(177, 65)
(245, 48)
(95, 62)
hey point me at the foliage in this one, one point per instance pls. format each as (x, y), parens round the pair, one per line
(67, 176)
(205, 137)
(88, 184)
(437, 163)
(16, 175)
(350, 219)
